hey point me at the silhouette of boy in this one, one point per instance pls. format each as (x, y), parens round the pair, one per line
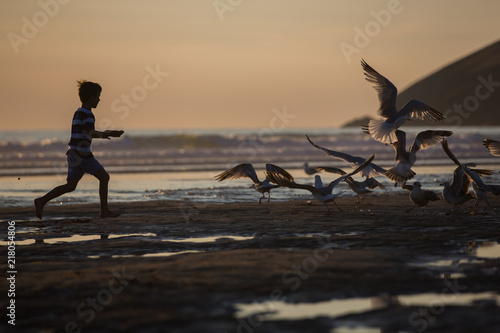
(79, 156)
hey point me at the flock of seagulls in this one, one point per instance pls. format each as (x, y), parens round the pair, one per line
(385, 130)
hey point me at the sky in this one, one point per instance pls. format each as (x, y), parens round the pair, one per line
(224, 64)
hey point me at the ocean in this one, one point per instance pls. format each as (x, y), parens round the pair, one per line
(181, 165)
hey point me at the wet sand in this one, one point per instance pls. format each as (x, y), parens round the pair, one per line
(293, 252)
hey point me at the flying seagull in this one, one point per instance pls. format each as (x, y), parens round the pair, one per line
(383, 130)
(406, 159)
(479, 188)
(360, 188)
(323, 193)
(247, 170)
(371, 169)
(418, 196)
(457, 193)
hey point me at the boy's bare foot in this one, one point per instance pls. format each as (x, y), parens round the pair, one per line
(109, 213)
(38, 208)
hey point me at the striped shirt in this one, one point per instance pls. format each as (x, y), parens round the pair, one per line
(81, 132)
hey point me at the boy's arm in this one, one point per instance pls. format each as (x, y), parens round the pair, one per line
(106, 134)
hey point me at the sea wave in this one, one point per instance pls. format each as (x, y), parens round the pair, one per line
(140, 152)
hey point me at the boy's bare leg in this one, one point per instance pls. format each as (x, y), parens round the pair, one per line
(103, 177)
(56, 192)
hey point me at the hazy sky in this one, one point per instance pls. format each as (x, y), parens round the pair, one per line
(226, 63)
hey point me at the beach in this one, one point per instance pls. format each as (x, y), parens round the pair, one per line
(182, 266)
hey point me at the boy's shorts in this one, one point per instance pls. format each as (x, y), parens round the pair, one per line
(78, 166)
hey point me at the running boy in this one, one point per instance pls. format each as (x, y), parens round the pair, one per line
(79, 156)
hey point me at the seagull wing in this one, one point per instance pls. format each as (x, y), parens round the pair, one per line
(460, 183)
(473, 176)
(483, 172)
(274, 168)
(332, 170)
(386, 91)
(431, 196)
(239, 171)
(372, 183)
(334, 183)
(448, 152)
(400, 145)
(281, 180)
(493, 146)
(416, 109)
(354, 161)
(426, 139)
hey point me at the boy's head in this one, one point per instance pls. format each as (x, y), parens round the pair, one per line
(88, 90)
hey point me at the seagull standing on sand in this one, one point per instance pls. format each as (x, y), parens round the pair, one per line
(418, 196)
(323, 194)
(247, 170)
(371, 170)
(493, 146)
(360, 188)
(384, 130)
(479, 188)
(406, 159)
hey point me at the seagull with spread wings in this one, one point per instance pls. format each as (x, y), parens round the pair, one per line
(360, 188)
(247, 170)
(321, 193)
(384, 130)
(371, 170)
(479, 188)
(402, 171)
(457, 193)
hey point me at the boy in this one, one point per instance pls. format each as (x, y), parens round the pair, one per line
(80, 158)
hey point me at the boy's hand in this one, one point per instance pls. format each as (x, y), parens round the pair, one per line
(109, 133)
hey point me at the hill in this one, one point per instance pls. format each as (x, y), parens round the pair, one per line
(467, 91)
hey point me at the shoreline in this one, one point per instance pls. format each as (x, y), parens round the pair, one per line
(374, 201)
(149, 271)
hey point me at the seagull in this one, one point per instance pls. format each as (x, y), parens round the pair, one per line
(402, 171)
(479, 188)
(493, 146)
(457, 193)
(320, 193)
(360, 188)
(309, 170)
(371, 170)
(418, 196)
(247, 170)
(383, 130)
